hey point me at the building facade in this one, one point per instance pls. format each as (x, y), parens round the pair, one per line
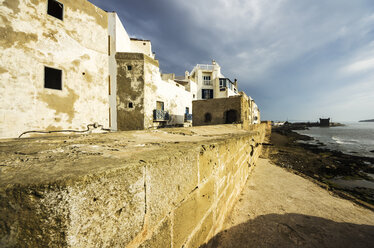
(211, 83)
(237, 109)
(144, 100)
(68, 64)
(53, 66)
(59, 71)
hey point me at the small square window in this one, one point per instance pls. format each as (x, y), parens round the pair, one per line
(160, 105)
(129, 67)
(55, 9)
(131, 105)
(52, 78)
(144, 43)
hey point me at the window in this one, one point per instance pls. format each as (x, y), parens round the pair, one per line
(52, 78)
(131, 105)
(207, 93)
(109, 89)
(55, 9)
(207, 117)
(222, 83)
(109, 45)
(207, 80)
(129, 67)
(160, 105)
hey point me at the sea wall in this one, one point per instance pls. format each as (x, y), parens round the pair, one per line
(153, 188)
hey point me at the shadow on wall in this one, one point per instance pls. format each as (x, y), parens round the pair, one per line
(293, 230)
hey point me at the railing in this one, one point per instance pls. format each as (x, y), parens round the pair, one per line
(187, 117)
(205, 67)
(208, 82)
(160, 115)
(202, 67)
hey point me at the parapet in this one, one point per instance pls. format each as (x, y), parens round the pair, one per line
(155, 188)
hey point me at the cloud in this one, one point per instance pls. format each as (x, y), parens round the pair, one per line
(289, 55)
(362, 65)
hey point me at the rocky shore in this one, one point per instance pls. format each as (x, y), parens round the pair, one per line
(321, 165)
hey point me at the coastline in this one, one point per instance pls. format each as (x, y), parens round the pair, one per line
(321, 165)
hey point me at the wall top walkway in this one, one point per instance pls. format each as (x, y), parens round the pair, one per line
(65, 159)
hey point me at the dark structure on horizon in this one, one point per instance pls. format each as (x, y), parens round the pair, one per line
(324, 122)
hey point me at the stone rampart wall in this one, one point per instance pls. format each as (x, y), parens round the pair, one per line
(166, 188)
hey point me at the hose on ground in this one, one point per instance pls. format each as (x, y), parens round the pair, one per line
(94, 125)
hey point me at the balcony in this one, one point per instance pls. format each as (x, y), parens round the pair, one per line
(160, 115)
(187, 117)
(226, 83)
(208, 82)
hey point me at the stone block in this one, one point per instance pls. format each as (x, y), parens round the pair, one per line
(89, 211)
(160, 237)
(202, 233)
(191, 211)
(208, 160)
(169, 181)
(101, 207)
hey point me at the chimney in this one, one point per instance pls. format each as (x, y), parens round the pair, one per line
(236, 83)
(186, 75)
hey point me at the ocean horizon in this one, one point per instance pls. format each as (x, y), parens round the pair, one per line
(355, 138)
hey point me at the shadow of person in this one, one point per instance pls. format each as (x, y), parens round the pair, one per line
(294, 230)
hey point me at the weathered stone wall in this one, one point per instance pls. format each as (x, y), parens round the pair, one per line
(216, 108)
(77, 45)
(160, 188)
(130, 91)
(142, 86)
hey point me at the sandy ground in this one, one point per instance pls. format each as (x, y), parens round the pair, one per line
(280, 209)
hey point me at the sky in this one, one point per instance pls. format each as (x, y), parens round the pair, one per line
(298, 59)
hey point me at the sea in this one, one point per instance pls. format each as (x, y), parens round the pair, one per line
(353, 138)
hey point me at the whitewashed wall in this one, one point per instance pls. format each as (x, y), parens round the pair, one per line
(78, 45)
(140, 46)
(120, 42)
(175, 98)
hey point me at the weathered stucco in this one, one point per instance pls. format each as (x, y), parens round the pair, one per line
(159, 188)
(173, 95)
(32, 39)
(143, 87)
(130, 89)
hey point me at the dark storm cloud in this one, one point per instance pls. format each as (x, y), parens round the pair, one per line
(297, 59)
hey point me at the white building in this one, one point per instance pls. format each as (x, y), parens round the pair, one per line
(60, 68)
(211, 83)
(140, 98)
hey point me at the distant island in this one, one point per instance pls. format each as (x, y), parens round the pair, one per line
(371, 120)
